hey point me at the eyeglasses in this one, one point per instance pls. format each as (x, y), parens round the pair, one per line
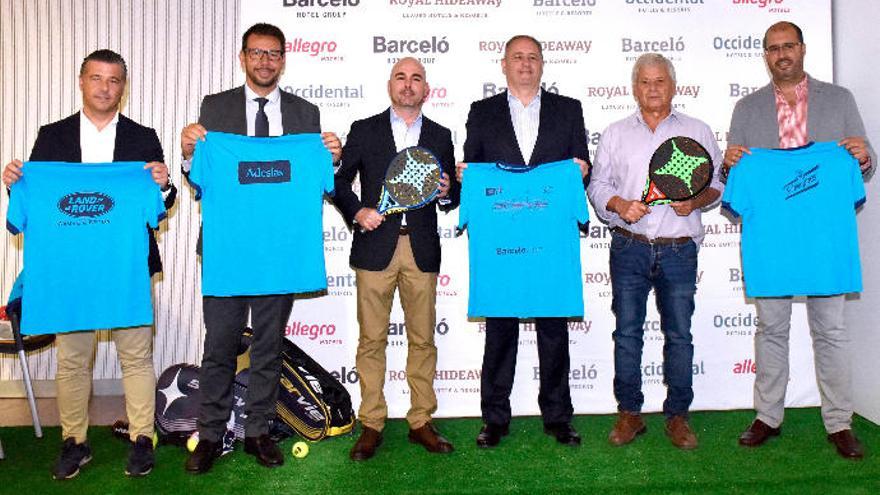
(785, 47)
(255, 54)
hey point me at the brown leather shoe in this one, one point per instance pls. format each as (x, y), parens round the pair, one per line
(848, 446)
(431, 439)
(757, 433)
(366, 444)
(679, 432)
(627, 428)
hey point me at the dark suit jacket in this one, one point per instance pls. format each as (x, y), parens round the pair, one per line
(561, 132)
(368, 150)
(59, 142)
(225, 112)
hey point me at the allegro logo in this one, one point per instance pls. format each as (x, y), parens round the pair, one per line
(311, 331)
(745, 367)
(309, 47)
(758, 3)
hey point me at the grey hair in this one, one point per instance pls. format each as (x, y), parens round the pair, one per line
(652, 59)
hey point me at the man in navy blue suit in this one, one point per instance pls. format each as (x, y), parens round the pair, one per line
(525, 125)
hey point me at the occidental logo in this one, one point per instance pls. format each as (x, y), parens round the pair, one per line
(85, 204)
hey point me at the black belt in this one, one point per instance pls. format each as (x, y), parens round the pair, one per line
(660, 241)
(404, 230)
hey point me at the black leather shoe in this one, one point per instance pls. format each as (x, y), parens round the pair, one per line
(757, 434)
(264, 449)
(202, 458)
(848, 446)
(564, 433)
(490, 435)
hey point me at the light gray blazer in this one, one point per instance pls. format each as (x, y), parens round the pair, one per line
(831, 115)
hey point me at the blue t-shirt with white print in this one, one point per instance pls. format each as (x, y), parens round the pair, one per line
(262, 212)
(85, 244)
(523, 239)
(799, 232)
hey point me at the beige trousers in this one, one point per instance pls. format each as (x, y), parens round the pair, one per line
(76, 358)
(375, 296)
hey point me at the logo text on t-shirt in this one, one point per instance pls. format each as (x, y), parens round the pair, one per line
(264, 172)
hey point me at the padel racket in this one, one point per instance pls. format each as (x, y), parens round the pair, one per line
(679, 170)
(411, 181)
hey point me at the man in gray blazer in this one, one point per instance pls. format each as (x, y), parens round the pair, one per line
(791, 111)
(259, 108)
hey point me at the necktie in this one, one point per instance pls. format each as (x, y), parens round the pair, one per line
(261, 125)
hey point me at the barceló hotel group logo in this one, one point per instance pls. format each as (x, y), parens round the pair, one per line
(316, 9)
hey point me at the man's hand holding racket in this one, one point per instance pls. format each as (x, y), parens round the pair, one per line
(368, 219)
(443, 187)
(630, 211)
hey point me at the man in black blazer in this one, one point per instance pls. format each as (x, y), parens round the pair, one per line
(99, 133)
(525, 125)
(398, 251)
(259, 108)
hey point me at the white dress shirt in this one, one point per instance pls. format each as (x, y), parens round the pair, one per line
(405, 136)
(97, 146)
(272, 109)
(621, 169)
(525, 119)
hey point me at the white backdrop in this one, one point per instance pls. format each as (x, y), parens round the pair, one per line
(339, 58)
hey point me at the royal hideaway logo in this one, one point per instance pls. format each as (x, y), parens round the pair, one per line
(264, 172)
(556, 51)
(86, 204)
(440, 10)
(802, 183)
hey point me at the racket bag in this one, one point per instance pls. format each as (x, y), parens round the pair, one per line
(311, 402)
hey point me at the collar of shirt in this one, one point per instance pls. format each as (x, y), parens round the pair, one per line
(526, 120)
(97, 146)
(272, 109)
(405, 135)
(800, 90)
(792, 120)
(672, 118)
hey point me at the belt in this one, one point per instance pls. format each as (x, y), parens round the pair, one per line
(404, 230)
(660, 241)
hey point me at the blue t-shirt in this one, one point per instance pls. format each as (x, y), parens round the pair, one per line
(524, 243)
(85, 244)
(262, 207)
(799, 232)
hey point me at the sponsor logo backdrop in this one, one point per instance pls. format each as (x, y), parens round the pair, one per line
(339, 57)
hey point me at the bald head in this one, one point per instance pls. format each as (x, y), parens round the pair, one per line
(408, 64)
(784, 26)
(407, 86)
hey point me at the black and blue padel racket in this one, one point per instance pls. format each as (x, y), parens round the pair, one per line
(412, 180)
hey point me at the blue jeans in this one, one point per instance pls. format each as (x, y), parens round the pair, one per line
(671, 270)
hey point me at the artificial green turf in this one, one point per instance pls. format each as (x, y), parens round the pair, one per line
(800, 461)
